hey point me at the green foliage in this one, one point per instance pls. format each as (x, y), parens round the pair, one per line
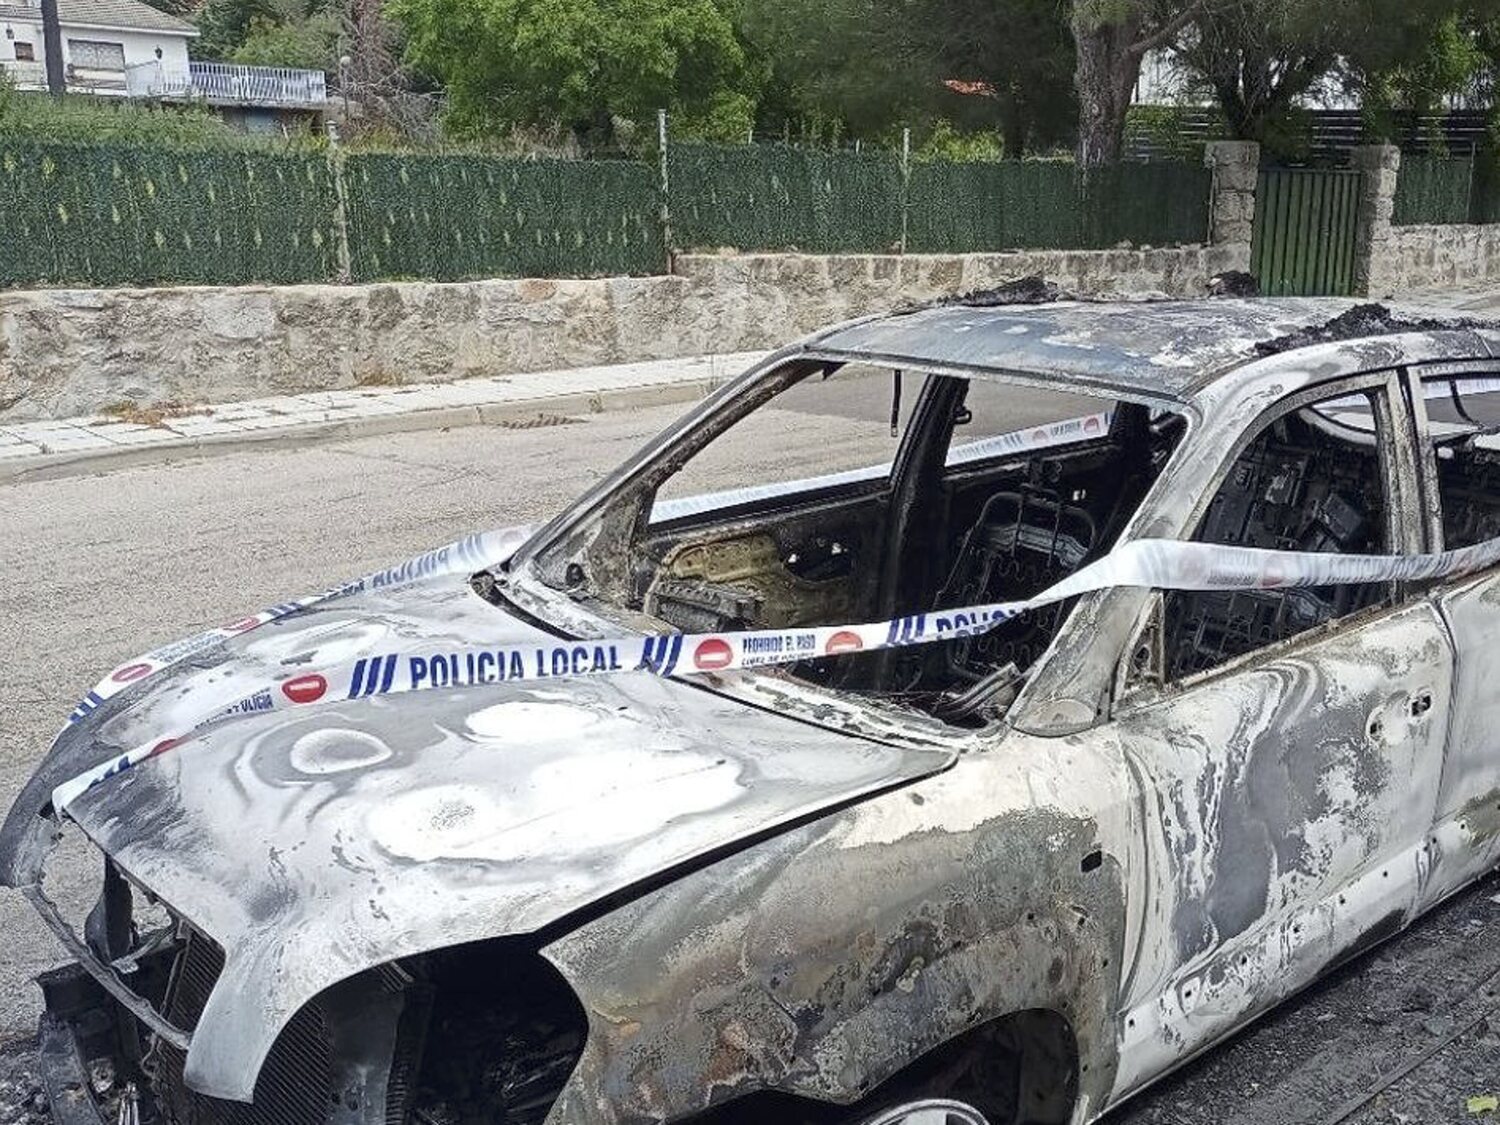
(310, 43)
(455, 217)
(581, 63)
(865, 68)
(947, 143)
(1412, 55)
(124, 214)
(1161, 127)
(87, 119)
(223, 25)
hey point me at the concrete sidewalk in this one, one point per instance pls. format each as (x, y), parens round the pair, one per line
(71, 446)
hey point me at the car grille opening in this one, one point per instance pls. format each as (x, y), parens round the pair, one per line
(489, 1032)
(295, 1086)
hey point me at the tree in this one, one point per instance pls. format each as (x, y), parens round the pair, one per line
(864, 68)
(1259, 59)
(1111, 38)
(1022, 50)
(1417, 53)
(581, 63)
(309, 43)
(223, 25)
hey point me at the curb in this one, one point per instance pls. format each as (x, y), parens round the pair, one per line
(58, 466)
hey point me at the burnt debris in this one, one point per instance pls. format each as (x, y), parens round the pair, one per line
(1363, 321)
(1034, 289)
(1233, 283)
(1031, 290)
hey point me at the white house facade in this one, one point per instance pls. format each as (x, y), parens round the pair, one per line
(103, 41)
(125, 48)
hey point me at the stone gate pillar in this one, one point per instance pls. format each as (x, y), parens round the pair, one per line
(1381, 165)
(1231, 210)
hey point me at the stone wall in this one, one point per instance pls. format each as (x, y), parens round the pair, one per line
(70, 352)
(1393, 260)
(1427, 257)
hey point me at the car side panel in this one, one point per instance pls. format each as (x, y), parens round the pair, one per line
(1288, 802)
(821, 962)
(1466, 837)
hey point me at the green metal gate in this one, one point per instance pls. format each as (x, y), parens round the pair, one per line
(1305, 218)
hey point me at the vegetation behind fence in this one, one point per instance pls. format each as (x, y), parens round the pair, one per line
(118, 213)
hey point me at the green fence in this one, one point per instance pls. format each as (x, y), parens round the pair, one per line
(114, 213)
(453, 217)
(1304, 240)
(124, 215)
(1433, 189)
(1030, 204)
(773, 197)
(1484, 204)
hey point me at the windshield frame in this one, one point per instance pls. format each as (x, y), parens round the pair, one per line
(521, 585)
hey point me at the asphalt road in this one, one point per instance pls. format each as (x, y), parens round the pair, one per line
(97, 569)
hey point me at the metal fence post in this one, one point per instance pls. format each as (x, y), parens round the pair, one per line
(666, 209)
(340, 206)
(1469, 204)
(905, 184)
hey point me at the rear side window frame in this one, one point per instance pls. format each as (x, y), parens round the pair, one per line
(1141, 674)
(1414, 378)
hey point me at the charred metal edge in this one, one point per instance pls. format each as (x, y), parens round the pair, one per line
(1031, 289)
(70, 994)
(1368, 321)
(102, 973)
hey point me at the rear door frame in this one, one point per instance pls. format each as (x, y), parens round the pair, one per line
(1464, 841)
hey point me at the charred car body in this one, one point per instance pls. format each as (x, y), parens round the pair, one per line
(1013, 876)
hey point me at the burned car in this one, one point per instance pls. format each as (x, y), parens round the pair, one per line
(731, 796)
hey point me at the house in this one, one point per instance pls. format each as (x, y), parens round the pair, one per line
(102, 41)
(128, 49)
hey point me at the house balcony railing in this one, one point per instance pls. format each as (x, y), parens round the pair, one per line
(228, 84)
(26, 75)
(80, 80)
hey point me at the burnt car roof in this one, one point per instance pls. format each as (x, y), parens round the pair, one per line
(1153, 348)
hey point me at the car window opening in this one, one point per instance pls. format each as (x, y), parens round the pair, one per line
(844, 499)
(1310, 481)
(1464, 420)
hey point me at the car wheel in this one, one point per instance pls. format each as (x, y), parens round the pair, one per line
(929, 1111)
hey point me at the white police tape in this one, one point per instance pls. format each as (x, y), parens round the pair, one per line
(470, 553)
(1158, 563)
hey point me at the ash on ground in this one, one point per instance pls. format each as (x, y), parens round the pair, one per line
(23, 1100)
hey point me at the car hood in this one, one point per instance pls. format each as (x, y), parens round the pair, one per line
(316, 843)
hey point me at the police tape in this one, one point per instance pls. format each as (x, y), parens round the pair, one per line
(1150, 563)
(471, 553)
